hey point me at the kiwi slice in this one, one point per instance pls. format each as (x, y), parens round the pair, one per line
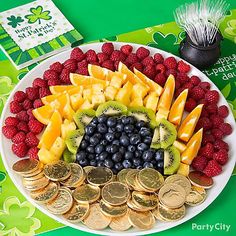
(156, 144)
(111, 108)
(83, 117)
(171, 160)
(143, 113)
(68, 156)
(73, 140)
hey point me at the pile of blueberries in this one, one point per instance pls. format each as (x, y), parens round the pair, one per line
(118, 143)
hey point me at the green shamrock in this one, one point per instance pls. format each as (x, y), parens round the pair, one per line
(38, 15)
(14, 21)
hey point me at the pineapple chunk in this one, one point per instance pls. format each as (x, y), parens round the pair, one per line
(139, 90)
(162, 113)
(151, 101)
(183, 169)
(97, 88)
(116, 82)
(68, 112)
(58, 147)
(87, 94)
(110, 92)
(66, 127)
(46, 157)
(86, 105)
(124, 93)
(179, 145)
(137, 102)
(76, 100)
(98, 99)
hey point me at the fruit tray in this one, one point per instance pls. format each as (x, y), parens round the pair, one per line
(144, 100)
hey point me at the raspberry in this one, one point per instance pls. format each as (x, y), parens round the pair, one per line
(50, 74)
(160, 79)
(212, 108)
(56, 66)
(82, 68)
(199, 163)
(188, 86)
(31, 140)
(96, 63)
(19, 137)
(207, 150)
(223, 111)
(142, 53)
(15, 107)
(197, 93)
(208, 138)
(182, 77)
(220, 144)
(212, 97)
(102, 57)
(38, 103)
(22, 116)
(177, 84)
(147, 61)
(150, 71)
(160, 68)
(39, 83)
(20, 149)
(77, 54)
(108, 48)
(126, 49)
(178, 92)
(70, 64)
(33, 153)
(216, 120)
(158, 58)
(30, 114)
(204, 123)
(170, 63)
(32, 93)
(218, 134)
(205, 85)
(183, 67)
(117, 56)
(91, 56)
(53, 82)
(27, 104)
(108, 64)
(35, 126)
(136, 65)
(202, 101)
(22, 126)
(195, 80)
(171, 72)
(221, 156)
(212, 168)
(11, 121)
(132, 58)
(9, 131)
(44, 92)
(190, 104)
(19, 96)
(226, 128)
(65, 76)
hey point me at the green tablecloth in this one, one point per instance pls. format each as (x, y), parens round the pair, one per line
(14, 210)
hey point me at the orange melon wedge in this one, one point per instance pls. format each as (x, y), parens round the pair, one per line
(43, 114)
(97, 72)
(60, 88)
(50, 98)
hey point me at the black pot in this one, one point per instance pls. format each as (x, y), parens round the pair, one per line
(200, 56)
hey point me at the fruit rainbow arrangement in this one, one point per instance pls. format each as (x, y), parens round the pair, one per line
(122, 110)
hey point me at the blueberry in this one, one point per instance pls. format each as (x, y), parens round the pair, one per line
(142, 147)
(129, 155)
(91, 156)
(102, 156)
(127, 164)
(120, 127)
(102, 128)
(131, 120)
(135, 139)
(102, 119)
(147, 164)
(159, 155)
(99, 148)
(83, 144)
(83, 162)
(117, 134)
(80, 155)
(118, 166)
(160, 165)
(108, 148)
(124, 140)
(147, 155)
(131, 148)
(109, 137)
(93, 163)
(140, 124)
(114, 148)
(86, 137)
(122, 149)
(94, 121)
(137, 162)
(89, 129)
(97, 158)
(139, 167)
(100, 163)
(129, 128)
(125, 120)
(104, 142)
(116, 142)
(114, 170)
(147, 140)
(90, 149)
(112, 130)
(117, 157)
(138, 154)
(97, 135)
(108, 163)
(145, 132)
(111, 122)
(94, 140)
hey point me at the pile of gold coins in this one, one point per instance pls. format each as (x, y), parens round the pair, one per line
(96, 197)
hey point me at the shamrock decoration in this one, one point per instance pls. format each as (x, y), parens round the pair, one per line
(37, 15)
(14, 21)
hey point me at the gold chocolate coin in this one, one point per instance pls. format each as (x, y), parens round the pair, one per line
(120, 223)
(96, 219)
(194, 198)
(150, 179)
(132, 205)
(121, 176)
(57, 171)
(37, 184)
(200, 190)
(171, 214)
(62, 203)
(130, 178)
(77, 213)
(32, 175)
(46, 194)
(99, 176)
(86, 193)
(113, 211)
(115, 193)
(25, 166)
(76, 178)
(172, 195)
(138, 186)
(36, 176)
(141, 220)
(88, 168)
(147, 201)
(157, 215)
(180, 180)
